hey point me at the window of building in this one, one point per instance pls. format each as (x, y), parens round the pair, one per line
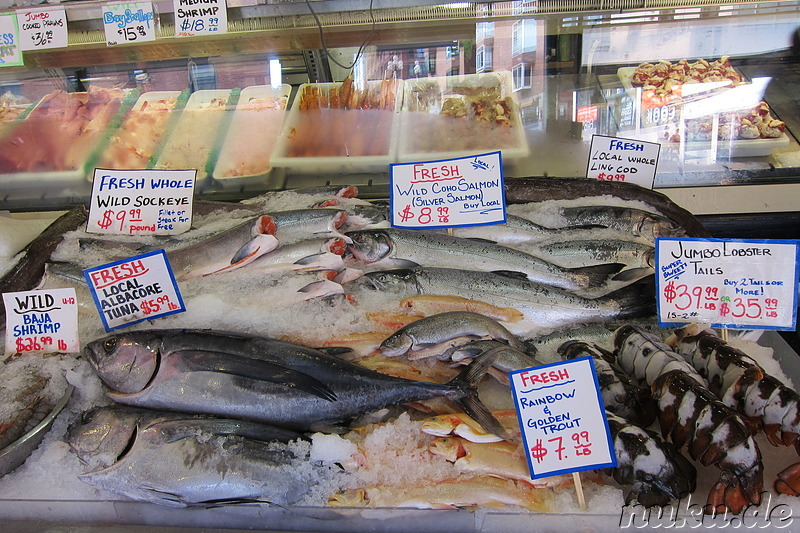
(483, 58)
(521, 76)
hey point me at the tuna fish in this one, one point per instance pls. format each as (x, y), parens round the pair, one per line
(261, 379)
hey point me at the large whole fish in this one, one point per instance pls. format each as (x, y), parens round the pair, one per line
(524, 190)
(441, 334)
(637, 222)
(396, 248)
(182, 460)
(544, 308)
(261, 379)
(518, 230)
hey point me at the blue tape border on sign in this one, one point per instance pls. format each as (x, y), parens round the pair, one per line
(600, 402)
(88, 271)
(502, 184)
(795, 243)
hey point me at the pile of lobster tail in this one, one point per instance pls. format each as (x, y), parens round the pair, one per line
(691, 415)
(744, 386)
(654, 469)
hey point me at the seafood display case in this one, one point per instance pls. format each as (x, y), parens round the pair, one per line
(292, 119)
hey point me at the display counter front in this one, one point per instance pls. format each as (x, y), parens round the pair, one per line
(321, 370)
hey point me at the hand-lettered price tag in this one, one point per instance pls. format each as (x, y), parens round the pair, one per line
(9, 41)
(129, 22)
(134, 289)
(562, 418)
(629, 160)
(41, 321)
(141, 202)
(42, 28)
(200, 17)
(727, 283)
(466, 191)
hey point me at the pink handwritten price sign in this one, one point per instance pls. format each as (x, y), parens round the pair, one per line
(562, 418)
(466, 191)
(141, 202)
(617, 159)
(139, 288)
(727, 283)
(41, 321)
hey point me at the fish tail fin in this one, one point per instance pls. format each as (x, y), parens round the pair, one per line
(632, 274)
(596, 275)
(466, 383)
(634, 300)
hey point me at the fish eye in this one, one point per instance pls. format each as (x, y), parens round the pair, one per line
(109, 344)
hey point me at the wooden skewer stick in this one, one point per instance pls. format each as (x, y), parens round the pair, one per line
(576, 476)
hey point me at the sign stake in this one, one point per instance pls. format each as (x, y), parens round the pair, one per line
(576, 477)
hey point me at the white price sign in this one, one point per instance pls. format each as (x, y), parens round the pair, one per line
(134, 289)
(42, 28)
(466, 191)
(133, 22)
(10, 54)
(41, 321)
(562, 418)
(200, 17)
(141, 202)
(727, 283)
(628, 160)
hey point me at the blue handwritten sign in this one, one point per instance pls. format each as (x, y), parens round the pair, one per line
(466, 191)
(9, 41)
(562, 418)
(728, 283)
(129, 22)
(135, 289)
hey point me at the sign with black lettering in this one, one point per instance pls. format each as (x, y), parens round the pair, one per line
(629, 160)
(141, 202)
(200, 17)
(131, 290)
(10, 54)
(41, 321)
(727, 283)
(466, 191)
(562, 418)
(42, 28)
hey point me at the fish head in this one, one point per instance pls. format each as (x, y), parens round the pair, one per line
(126, 362)
(102, 435)
(403, 280)
(370, 246)
(396, 344)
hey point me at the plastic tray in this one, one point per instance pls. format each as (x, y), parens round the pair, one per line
(140, 131)
(425, 133)
(339, 140)
(725, 148)
(192, 140)
(82, 153)
(244, 156)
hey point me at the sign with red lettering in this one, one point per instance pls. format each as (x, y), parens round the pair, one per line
(629, 160)
(131, 290)
(41, 321)
(141, 202)
(466, 191)
(42, 28)
(562, 418)
(728, 283)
